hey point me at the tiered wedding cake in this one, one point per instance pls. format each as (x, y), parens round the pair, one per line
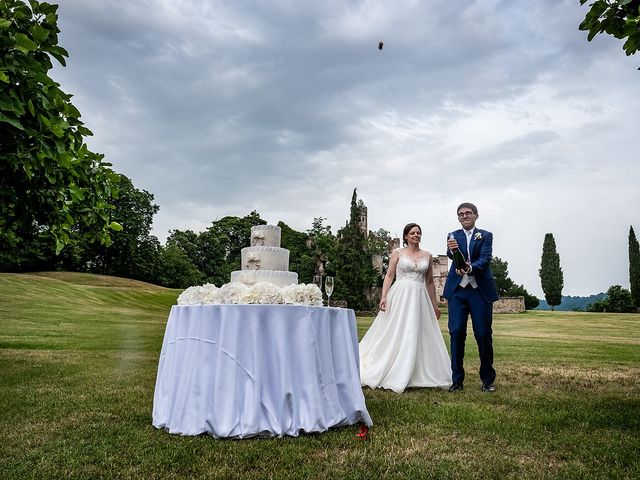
(264, 279)
(265, 260)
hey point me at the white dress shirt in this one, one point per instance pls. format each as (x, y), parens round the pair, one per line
(466, 279)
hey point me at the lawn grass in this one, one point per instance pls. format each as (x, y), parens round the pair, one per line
(79, 355)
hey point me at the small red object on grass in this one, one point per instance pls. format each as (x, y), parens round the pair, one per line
(364, 431)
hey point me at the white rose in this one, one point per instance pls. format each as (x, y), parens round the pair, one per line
(312, 295)
(210, 294)
(289, 294)
(267, 293)
(232, 292)
(190, 296)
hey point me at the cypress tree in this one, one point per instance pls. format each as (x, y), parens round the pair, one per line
(550, 272)
(634, 268)
(353, 268)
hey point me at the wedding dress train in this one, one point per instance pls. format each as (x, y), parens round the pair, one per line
(404, 346)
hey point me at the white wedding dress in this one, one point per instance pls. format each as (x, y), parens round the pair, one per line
(404, 346)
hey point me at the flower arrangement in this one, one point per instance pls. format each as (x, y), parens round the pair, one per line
(477, 236)
(233, 292)
(305, 294)
(200, 295)
(261, 293)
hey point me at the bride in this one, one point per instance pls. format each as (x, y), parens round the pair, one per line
(404, 346)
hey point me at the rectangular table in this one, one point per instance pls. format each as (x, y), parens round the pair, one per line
(241, 371)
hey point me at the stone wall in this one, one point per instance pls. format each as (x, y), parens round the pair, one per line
(440, 270)
(509, 305)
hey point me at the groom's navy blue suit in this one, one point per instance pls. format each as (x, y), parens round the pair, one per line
(475, 301)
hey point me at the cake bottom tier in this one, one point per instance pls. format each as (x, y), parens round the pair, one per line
(276, 277)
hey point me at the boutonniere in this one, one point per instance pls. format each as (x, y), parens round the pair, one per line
(477, 236)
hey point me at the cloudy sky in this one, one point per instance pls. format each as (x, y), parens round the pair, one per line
(222, 107)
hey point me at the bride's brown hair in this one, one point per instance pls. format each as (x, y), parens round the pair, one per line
(406, 230)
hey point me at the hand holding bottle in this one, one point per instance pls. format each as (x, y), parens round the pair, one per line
(462, 266)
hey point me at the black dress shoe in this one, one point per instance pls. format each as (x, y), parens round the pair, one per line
(456, 387)
(488, 387)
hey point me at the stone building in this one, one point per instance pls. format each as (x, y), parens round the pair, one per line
(440, 265)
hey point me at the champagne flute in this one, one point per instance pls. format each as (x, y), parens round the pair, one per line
(317, 280)
(328, 288)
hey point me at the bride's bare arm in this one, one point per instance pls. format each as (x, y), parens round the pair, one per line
(431, 287)
(388, 278)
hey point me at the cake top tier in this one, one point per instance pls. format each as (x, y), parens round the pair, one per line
(265, 236)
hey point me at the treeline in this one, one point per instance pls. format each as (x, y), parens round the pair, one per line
(192, 258)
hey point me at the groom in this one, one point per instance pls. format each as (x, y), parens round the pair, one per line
(471, 290)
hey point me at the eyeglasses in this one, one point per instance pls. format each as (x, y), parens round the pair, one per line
(465, 214)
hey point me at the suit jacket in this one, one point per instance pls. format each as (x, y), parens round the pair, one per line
(481, 253)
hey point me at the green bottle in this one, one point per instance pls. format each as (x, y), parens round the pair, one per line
(458, 258)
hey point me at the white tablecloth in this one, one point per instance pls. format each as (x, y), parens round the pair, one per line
(258, 370)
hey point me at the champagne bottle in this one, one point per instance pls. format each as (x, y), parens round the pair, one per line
(458, 258)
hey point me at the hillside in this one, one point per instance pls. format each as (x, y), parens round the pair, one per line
(59, 310)
(570, 303)
(91, 279)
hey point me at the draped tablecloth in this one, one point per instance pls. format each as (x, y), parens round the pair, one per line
(258, 370)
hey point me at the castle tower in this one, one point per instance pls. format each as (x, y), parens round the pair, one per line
(362, 220)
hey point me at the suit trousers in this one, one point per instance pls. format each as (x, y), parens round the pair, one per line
(463, 302)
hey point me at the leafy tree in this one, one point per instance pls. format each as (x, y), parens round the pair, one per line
(530, 301)
(507, 287)
(176, 269)
(24, 251)
(378, 246)
(323, 246)
(597, 306)
(551, 272)
(229, 235)
(51, 185)
(301, 258)
(634, 267)
(190, 243)
(618, 300)
(352, 268)
(620, 18)
(216, 251)
(500, 271)
(133, 252)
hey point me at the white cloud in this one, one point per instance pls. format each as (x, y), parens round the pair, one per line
(220, 108)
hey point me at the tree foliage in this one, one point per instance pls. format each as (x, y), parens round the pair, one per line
(550, 272)
(507, 287)
(499, 268)
(618, 301)
(619, 18)
(133, 252)
(323, 245)
(51, 185)
(353, 268)
(301, 258)
(176, 270)
(216, 251)
(634, 267)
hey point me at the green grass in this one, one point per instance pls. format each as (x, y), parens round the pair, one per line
(79, 354)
